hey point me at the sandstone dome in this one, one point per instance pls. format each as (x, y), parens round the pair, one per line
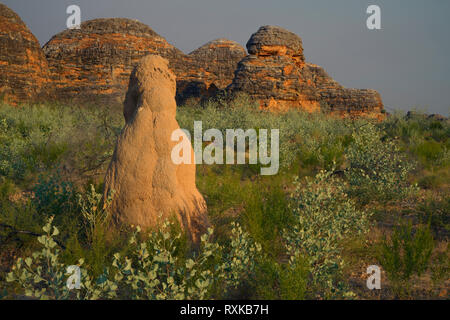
(209, 69)
(95, 61)
(274, 40)
(23, 67)
(276, 75)
(219, 59)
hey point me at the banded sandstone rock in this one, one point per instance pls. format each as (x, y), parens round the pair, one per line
(23, 67)
(275, 73)
(96, 61)
(208, 69)
(345, 101)
(145, 183)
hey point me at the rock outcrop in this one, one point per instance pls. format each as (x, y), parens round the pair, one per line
(208, 69)
(142, 177)
(23, 67)
(414, 115)
(275, 73)
(344, 101)
(95, 62)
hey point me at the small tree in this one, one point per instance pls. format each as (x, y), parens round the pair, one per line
(324, 217)
(376, 167)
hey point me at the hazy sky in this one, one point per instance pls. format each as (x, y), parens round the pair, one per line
(407, 61)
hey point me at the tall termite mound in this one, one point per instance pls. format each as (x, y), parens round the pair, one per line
(145, 183)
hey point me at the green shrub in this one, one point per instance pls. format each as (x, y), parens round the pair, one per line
(151, 271)
(405, 254)
(324, 217)
(430, 153)
(436, 213)
(427, 139)
(275, 281)
(94, 209)
(240, 261)
(431, 181)
(3, 294)
(302, 135)
(43, 276)
(40, 138)
(53, 196)
(440, 266)
(377, 169)
(265, 215)
(11, 163)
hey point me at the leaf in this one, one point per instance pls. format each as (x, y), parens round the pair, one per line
(55, 231)
(28, 261)
(190, 263)
(10, 277)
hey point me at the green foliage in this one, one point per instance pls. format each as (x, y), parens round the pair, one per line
(325, 216)
(313, 137)
(405, 254)
(436, 213)
(430, 151)
(53, 196)
(440, 266)
(93, 208)
(377, 169)
(154, 272)
(276, 281)
(40, 138)
(151, 271)
(11, 163)
(43, 276)
(265, 215)
(240, 261)
(425, 138)
(305, 238)
(3, 294)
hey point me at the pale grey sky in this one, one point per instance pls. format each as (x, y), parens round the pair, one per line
(407, 61)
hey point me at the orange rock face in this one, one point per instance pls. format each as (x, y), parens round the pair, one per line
(208, 69)
(275, 73)
(23, 67)
(94, 64)
(342, 101)
(96, 61)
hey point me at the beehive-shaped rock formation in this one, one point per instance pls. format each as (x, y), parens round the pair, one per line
(209, 68)
(95, 62)
(275, 73)
(23, 67)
